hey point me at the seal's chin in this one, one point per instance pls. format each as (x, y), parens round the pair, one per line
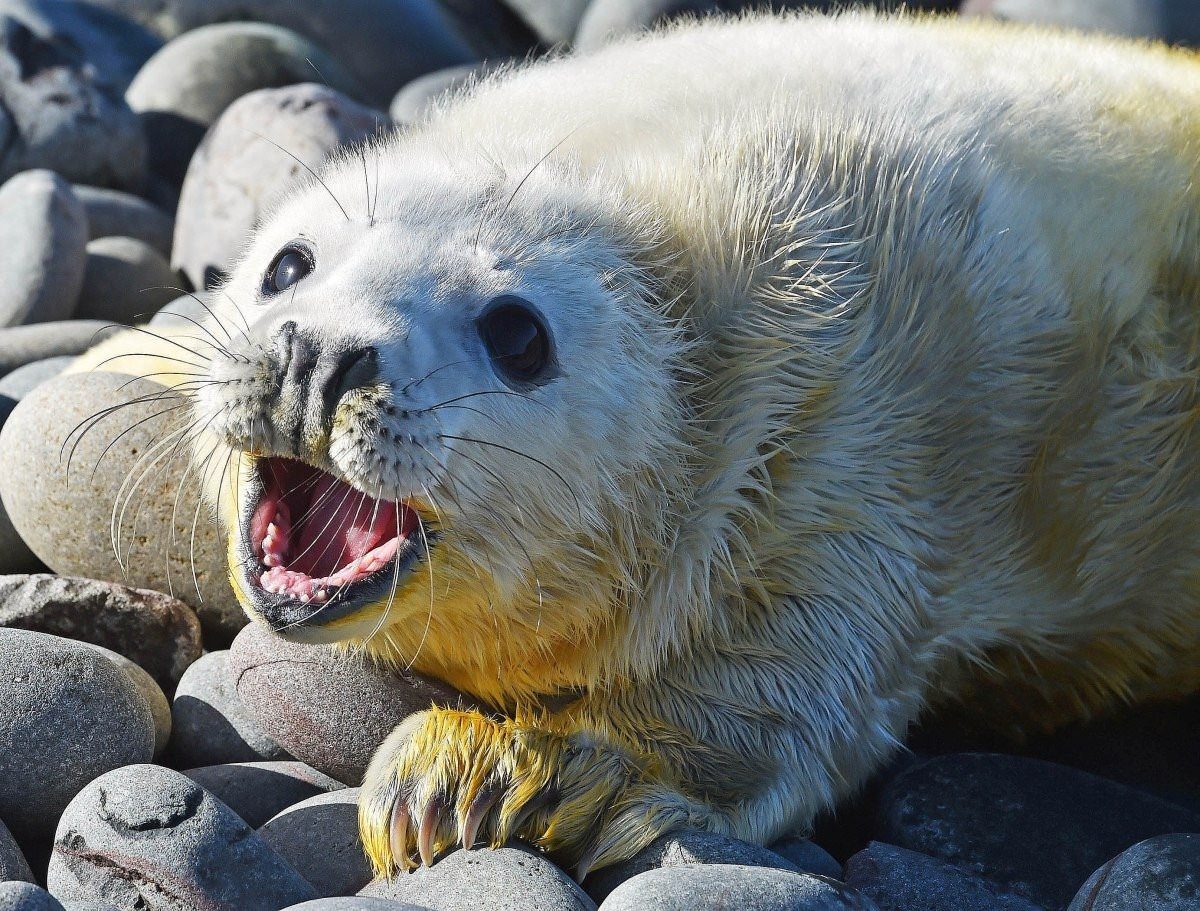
(313, 551)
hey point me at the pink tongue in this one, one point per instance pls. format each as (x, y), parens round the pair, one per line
(343, 525)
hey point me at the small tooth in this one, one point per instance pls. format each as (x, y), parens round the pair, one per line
(322, 595)
(273, 529)
(271, 559)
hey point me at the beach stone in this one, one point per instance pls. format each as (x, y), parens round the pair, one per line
(26, 897)
(1159, 874)
(554, 21)
(25, 379)
(700, 887)
(605, 20)
(492, 28)
(511, 878)
(900, 880)
(677, 849)
(354, 903)
(159, 633)
(186, 86)
(111, 213)
(808, 856)
(65, 517)
(256, 791)
(13, 865)
(150, 691)
(237, 173)
(1173, 21)
(126, 280)
(21, 345)
(1034, 828)
(183, 313)
(319, 837)
(210, 725)
(418, 98)
(383, 43)
(67, 714)
(60, 80)
(150, 838)
(43, 230)
(326, 708)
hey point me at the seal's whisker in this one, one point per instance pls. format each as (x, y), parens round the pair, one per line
(121, 500)
(303, 164)
(429, 615)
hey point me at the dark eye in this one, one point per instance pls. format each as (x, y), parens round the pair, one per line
(516, 339)
(290, 265)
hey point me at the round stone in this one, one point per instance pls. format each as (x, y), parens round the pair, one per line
(74, 453)
(808, 857)
(13, 865)
(125, 280)
(246, 163)
(150, 691)
(183, 88)
(1159, 874)
(417, 99)
(1172, 21)
(354, 903)
(25, 379)
(325, 707)
(319, 837)
(732, 886)
(256, 791)
(606, 20)
(26, 897)
(210, 724)
(67, 714)
(555, 21)
(159, 633)
(145, 830)
(515, 879)
(111, 213)
(43, 231)
(22, 345)
(184, 313)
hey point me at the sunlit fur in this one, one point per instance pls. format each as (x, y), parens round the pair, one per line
(879, 378)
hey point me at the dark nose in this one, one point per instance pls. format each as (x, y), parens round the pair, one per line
(314, 377)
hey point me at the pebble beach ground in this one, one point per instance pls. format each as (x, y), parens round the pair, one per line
(158, 754)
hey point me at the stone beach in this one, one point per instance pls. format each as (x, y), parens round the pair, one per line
(159, 754)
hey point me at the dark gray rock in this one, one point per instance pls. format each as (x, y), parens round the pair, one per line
(702, 887)
(256, 791)
(111, 213)
(606, 20)
(417, 99)
(492, 28)
(26, 897)
(354, 903)
(149, 838)
(43, 231)
(186, 86)
(319, 837)
(512, 878)
(900, 880)
(328, 709)
(13, 866)
(61, 475)
(150, 691)
(22, 345)
(555, 21)
(1035, 828)
(155, 631)
(67, 714)
(25, 379)
(808, 856)
(210, 724)
(678, 849)
(1159, 874)
(242, 168)
(61, 111)
(126, 280)
(1174, 21)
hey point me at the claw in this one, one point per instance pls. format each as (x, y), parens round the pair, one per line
(429, 827)
(483, 802)
(398, 833)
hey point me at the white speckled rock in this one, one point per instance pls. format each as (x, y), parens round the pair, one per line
(111, 213)
(147, 837)
(68, 525)
(125, 280)
(13, 866)
(235, 175)
(67, 714)
(701, 887)
(256, 791)
(319, 837)
(26, 897)
(43, 231)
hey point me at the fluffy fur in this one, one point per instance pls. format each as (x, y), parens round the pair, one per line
(879, 345)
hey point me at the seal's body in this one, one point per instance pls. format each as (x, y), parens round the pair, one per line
(728, 397)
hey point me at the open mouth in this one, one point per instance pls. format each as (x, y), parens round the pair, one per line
(315, 542)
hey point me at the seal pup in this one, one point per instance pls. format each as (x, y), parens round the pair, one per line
(712, 405)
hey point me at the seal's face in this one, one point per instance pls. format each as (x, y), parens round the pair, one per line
(431, 411)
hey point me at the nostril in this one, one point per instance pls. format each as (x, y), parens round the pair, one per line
(355, 369)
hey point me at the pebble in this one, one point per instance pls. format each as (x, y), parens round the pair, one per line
(150, 691)
(60, 80)
(23, 345)
(678, 849)
(808, 856)
(606, 20)
(1159, 874)
(43, 230)
(327, 708)
(67, 714)
(13, 865)
(514, 878)
(26, 897)
(319, 837)
(418, 98)
(1173, 21)
(492, 28)
(900, 880)
(144, 833)
(555, 21)
(183, 313)
(715, 887)
(236, 175)
(125, 280)
(159, 633)
(14, 386)
(186, 86)
(1034, 828)
(66, 519)
(354, 903)
(210, 724)
(111, 213)
(256, 791)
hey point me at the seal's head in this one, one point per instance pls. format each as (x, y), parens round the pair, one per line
(445, 406)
